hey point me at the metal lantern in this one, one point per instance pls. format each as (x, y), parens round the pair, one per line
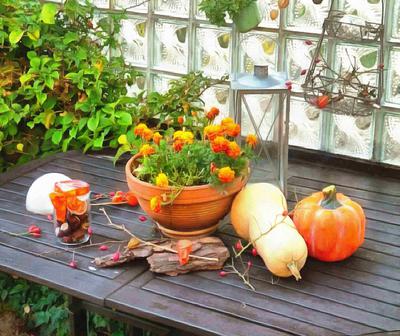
(273, 142)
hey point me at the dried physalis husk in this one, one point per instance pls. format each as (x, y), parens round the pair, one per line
(133, 243)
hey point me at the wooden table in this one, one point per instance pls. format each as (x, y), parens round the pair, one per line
(355, 297)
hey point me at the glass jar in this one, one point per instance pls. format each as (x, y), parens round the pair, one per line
(71, 201)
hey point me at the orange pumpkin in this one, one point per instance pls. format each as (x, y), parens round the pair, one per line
(332, 225)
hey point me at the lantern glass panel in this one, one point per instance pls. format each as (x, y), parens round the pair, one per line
(391, 140)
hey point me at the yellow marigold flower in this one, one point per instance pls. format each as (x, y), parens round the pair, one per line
(184, 136)
(157, 138)
(233, 150)
(232, 130)
(122, 139)
(227, 121)
(162, 180)
(251, 140)
(146, 150)
(212, 131)
(226, 174)
(155, 203)
(139, 129)
(20, 147)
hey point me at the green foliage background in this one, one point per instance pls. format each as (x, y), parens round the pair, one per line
(59, 87)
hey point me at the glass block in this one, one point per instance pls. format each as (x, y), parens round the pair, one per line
(258, 48)
(265, 7)
(262, 109)
(391, 139)
(173, 7)
(160, 83)
(368, 10)
(138, 86)
(134, 35)
(212, 51)
(131, 5)
(99, 3)
(299, 56)
(306, 16)
(171, 46)
(364, 58)
(305, 124)
(396, 21)
(393, 92)
(217, 96)
(352, 136)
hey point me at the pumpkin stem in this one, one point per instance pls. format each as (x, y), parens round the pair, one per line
(330, 200)
(294, 270)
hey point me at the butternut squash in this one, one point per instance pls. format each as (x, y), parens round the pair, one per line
(258, 215)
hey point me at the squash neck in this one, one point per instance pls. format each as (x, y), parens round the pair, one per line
(330, 200)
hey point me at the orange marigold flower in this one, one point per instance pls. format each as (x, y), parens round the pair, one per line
(139, 129)
(181, 120)
(251, 140)
(157, 138)
(162, 180)
(146, 150)
(212, 113)
(147, 134)
(226, 175)
(212, 131)
(233, 150)
(219, 144)
(155, 203)
(177, 145)
(232, 130)
(213, 167)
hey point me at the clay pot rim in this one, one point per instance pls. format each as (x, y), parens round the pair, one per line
(128, 172)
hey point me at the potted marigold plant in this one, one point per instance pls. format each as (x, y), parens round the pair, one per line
(186, 175)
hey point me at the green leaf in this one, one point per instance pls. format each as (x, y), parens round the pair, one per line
(124, 119)
(48, 13)
(35, 62)
(369, 60)
(93, 122)
(70, 37)
(56, 137)
(25, 78)
(15, 36)
(41, 97)
(35, 35)
(120, 151)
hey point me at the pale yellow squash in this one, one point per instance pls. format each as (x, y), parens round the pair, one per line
(259, 215)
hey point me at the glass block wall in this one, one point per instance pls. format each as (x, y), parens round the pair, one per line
(167, 38)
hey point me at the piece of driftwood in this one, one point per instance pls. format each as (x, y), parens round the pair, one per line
(163, 261)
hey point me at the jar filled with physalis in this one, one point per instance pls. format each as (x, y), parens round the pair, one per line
(71, 201)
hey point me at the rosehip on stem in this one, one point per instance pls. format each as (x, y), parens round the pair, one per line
(34, 229)
(223, 273)
(238, 245)
(73, 264)
(103, 248)
(90, 231)
(254, 252)
(142, 218)
(249, 264)
(116, 256)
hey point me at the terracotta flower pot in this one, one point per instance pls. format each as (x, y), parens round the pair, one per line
(194, 213)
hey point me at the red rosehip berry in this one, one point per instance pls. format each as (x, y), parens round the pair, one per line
(116, 256)
(303, 72)
(308, 42)
(103, 248)
(223, 273)
(254, 252)
(238, 245)
(90, 231)
(142, 218)
(73, 264)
